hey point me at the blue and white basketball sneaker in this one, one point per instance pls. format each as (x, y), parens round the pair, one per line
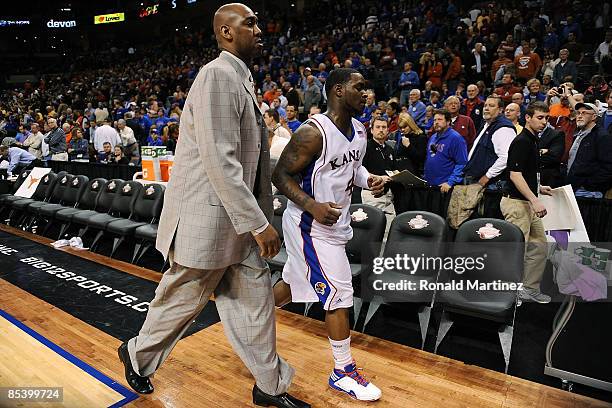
(354, 384)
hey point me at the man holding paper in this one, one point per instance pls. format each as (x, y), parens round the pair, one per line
(520, 204)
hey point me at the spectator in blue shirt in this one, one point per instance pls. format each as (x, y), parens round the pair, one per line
(78, 147)
(429, 118)
(416, 108)
(292, 121)
(276, 104)
(607, 116)
(154, 138)
(534, 94)
(18, 158)
(408, 81)
(446, 153)
(551, 40)
(368, 109)
(22, 134)
(434, 100)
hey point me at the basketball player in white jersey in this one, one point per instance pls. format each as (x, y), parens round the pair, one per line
(317, 172)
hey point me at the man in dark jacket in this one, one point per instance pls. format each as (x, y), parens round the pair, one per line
(589, 166)
(291, 94)
(56, 139)
(552, 146)
(565, 70)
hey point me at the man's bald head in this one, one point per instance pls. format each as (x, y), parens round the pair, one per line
(236, 30)
(513, 112)
(228, 15)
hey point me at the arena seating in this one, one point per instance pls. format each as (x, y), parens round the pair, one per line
(368, 234)
(504, 262)
(425, 237)
(87, 201)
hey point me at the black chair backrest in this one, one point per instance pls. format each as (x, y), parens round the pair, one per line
(59, 189)
(418, 234)
(20, 179)
(123, 204)
(43, 191)
(500, 243)
(368, 225)
(108, 194)
(149, 203)
(75, 190)
(279, 203)
(90, 195)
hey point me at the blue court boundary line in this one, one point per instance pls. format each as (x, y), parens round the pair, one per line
(128, 395)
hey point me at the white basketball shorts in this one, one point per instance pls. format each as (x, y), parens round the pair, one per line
(317, 270)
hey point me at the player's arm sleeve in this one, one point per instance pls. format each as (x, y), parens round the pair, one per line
(361, 177)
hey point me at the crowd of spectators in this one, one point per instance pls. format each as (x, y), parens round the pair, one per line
(417, 58)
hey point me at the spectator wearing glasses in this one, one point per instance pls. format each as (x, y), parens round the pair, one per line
(513, 112)
(462, 124)
(589, 166)
(446, 153)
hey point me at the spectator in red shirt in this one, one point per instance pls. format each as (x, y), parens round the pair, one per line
(507, 89)
(460, 123)
(501, 60)
(472, 106)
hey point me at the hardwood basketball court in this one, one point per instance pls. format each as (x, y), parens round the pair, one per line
(203, 371)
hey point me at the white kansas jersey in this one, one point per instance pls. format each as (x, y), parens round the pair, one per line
(331, 178)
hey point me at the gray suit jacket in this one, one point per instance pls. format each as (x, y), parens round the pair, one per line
(209, 205)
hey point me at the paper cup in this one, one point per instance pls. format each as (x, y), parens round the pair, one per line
(601, 254)
(599, 265)
(585, 250)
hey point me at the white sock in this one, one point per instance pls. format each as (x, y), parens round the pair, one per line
(341, 349)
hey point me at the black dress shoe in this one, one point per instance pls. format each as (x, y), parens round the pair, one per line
(141, 385)
(280, 401)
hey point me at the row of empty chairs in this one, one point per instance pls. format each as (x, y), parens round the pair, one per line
(127, 209)
(423, 234)
(110, 208)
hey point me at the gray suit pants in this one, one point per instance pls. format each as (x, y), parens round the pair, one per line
(244, 300)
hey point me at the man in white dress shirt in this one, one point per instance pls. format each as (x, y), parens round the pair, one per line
(487, 158)
(106, 133)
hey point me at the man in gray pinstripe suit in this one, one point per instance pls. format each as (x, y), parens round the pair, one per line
(214, 225)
